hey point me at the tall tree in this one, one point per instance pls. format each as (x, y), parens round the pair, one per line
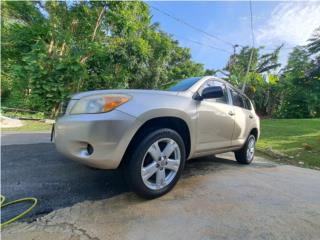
(299, 87)
(314, 42)
(52, 49)
(261, 78)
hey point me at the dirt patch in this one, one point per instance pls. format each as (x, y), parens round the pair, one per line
(6, 122)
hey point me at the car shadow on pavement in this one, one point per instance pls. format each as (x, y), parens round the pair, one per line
(203, 165)
(38, 170)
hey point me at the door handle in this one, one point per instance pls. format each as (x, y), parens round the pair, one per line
(250, 116)
(231, 113)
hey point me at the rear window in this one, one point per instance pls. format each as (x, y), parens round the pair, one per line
(237, 99)
(185, 84)
(240, 101)
(247, 103)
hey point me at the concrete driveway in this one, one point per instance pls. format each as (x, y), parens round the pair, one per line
(216, 199)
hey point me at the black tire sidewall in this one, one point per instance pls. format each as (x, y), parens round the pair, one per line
(241, 154)
(133, 168)
(246, 149)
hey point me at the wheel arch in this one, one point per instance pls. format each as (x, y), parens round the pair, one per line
(255, 133)
(172, 122)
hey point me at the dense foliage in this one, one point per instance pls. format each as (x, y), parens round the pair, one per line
(292, 91)
(261, 78)
(51, 49)
(299, 86)
(54, 49)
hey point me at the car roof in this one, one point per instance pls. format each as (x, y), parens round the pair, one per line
(205, 78)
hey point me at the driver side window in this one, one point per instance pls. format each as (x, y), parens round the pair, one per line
(213, 83)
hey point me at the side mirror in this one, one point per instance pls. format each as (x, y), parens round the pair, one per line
(210, 92)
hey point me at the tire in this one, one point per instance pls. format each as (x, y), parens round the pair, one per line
(147, 158)
(245, 155)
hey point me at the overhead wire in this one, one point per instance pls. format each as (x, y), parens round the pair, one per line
(204, 45)
(191, 26)
(181, 21)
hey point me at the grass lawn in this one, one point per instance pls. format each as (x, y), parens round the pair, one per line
(30, 126)
(298, 139)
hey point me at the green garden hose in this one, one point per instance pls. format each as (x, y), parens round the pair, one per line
(3, 205)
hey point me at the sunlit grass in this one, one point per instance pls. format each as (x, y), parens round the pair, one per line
(298, 139)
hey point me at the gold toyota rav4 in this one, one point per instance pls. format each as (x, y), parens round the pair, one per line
(152, 133)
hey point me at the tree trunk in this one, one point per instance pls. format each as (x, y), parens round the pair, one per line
(50, 47)
(98, 22)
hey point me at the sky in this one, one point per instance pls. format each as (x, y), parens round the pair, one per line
(274, 23)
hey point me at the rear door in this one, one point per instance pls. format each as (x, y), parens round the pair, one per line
(215, 120)
(243, 117)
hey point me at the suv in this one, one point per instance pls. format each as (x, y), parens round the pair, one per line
(150, 134)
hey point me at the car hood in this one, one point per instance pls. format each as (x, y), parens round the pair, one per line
(131, 92)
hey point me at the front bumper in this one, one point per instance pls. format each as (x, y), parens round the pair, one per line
(97, 140)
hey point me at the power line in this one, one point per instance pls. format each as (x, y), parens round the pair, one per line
(190, 25)
(204, 45)
(234, 46)
(212, 35)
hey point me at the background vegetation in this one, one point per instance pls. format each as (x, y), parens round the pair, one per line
(53, 49)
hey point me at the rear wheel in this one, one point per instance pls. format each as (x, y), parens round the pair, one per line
(245, 155)
(156, 163)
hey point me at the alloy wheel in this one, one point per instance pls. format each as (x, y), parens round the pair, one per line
(161, 163)
(251, 148)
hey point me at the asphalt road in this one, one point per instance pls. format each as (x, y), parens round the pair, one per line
(215, 199)
(14, 138)
(31, 167)
(38, 170)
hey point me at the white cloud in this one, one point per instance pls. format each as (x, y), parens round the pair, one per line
(291, 23)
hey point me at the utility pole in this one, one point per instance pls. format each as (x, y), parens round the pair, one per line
(234, 49)
(248, 69)
(233, 59)
(252, 48)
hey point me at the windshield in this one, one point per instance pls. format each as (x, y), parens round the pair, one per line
(185, 84)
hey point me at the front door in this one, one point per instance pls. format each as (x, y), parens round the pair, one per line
(243, 118)
(215, 121)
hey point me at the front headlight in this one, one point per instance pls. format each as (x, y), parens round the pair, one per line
(99, 103)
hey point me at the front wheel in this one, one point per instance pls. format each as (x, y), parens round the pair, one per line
(156, 164)
(245, 155)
